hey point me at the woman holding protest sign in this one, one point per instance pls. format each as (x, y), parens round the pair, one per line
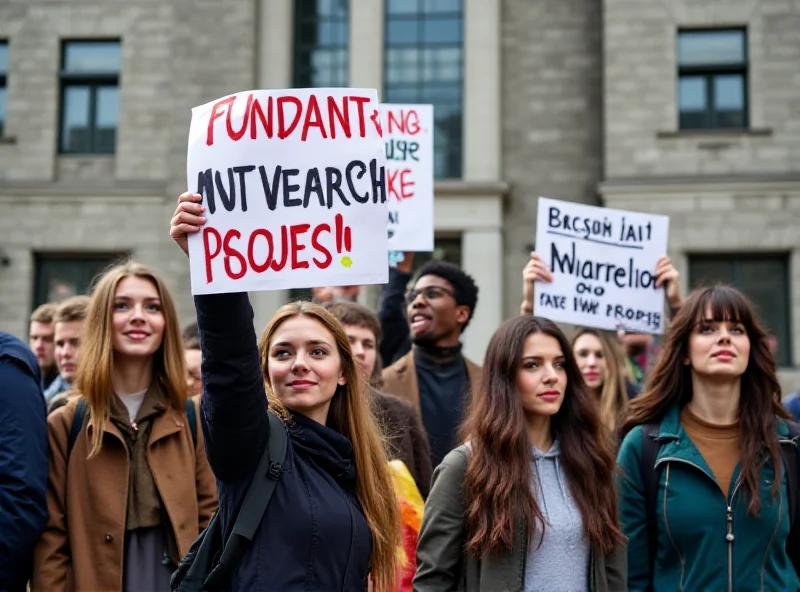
(705, 490)
(528, 503)
(129, 486)
(333, 519)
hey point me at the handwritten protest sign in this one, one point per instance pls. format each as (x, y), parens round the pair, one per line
(294, 185)
(603, 263)
(408, 135)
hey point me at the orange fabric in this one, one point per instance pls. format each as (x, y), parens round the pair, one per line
(719, 445)
(411, 508)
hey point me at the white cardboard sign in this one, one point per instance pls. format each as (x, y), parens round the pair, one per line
(408, 136)
(603, 263)
(294, 185)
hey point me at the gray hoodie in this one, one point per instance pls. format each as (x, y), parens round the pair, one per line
(560, 562)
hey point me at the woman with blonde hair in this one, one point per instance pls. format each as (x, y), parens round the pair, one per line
(332, 522)
(129, 487)
(599, 358)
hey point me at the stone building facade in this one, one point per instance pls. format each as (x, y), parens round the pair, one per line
(572, 100)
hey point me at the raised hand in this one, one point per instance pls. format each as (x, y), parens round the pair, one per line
(187, 219)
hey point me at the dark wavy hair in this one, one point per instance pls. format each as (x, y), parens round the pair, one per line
(759, 405)
(497, 484)
(464, 287)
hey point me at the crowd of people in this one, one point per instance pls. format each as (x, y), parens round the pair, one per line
(596, 461)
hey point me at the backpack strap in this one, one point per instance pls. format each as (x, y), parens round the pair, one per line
(647, 460)
(791, 462)
(253, 507)
(191, 417)
(77, 424)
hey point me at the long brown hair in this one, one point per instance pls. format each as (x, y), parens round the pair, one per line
(613, 395)
(759, 403)
(497, 484)
(96, 362)
(350, 414)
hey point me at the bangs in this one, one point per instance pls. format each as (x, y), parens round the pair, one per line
(723, 303)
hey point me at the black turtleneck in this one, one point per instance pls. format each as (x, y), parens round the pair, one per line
(443, 387)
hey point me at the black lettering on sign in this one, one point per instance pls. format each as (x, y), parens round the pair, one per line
(552, 301)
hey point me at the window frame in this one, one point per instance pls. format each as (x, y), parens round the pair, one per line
(300, 47)
(452, 153)
(4, 86)
(734, 260)
(708, 72)
(94, 81)
(42, 258)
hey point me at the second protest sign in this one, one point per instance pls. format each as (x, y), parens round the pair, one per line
(603, 263)
(408, 136)
(294, 186)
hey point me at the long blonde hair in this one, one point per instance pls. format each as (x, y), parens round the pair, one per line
(350, 414)
(613, 394)
(96, 363)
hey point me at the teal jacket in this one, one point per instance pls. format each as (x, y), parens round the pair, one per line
(706, 542)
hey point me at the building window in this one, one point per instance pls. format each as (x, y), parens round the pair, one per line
(424, 63)
(89, 96)
(712, 79)
(321, 34)
(3, 84)
(62, 276)
(764, 279)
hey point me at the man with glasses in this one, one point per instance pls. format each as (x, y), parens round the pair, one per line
(434, 375)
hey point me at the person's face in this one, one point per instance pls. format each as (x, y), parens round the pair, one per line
(41, 342)
(432, 310)
(541, 377)
(336, 293)
(138, 319)
(718, 349)
(591, 360)
(67, 348)
(194, 379)
(305, 367)
(364, 346)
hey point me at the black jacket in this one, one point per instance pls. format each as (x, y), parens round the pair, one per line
(23, 461)
(396, 340)
(314, 535)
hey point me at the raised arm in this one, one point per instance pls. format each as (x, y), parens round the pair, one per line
(391, 314)
(234, 403)
(534, 271)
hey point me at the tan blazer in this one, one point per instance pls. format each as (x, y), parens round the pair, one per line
(400, 379)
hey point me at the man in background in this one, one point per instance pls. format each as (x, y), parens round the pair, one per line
(41, 341)
(67, 329)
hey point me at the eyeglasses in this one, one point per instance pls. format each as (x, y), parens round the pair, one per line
(429, 293)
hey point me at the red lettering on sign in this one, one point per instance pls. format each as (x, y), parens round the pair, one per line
(400, 183)
(403, 122)
(240, 251)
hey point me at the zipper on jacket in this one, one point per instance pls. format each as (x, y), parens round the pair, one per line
(729, 536)
(669, 532)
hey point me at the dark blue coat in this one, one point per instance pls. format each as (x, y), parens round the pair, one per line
(23, 461)
(314, 535)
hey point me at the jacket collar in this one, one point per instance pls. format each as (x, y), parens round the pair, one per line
(165, 424)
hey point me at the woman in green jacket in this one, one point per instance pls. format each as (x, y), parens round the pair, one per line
(529, 503)
(718, 517)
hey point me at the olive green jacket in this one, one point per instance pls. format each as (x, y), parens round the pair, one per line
(443, 565)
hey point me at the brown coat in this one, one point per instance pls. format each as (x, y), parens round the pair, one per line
(82, 547)
(405, 437)
(400, 379)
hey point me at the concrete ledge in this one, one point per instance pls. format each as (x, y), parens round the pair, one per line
(714, 133)
(90, 191)
(633, 186)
